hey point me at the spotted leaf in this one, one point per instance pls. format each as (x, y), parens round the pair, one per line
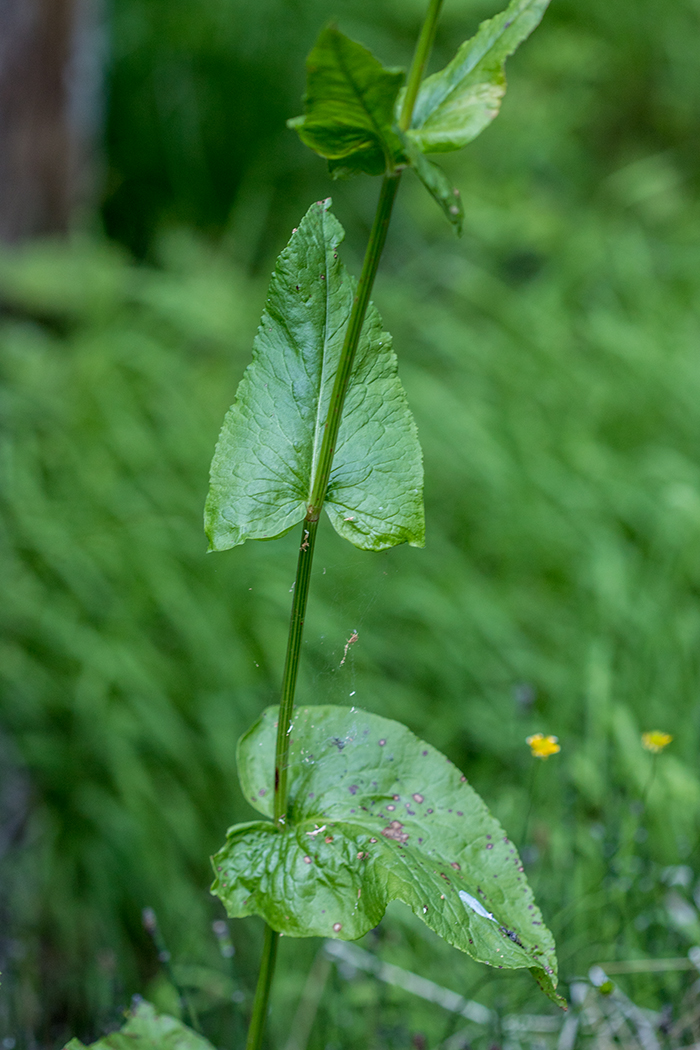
(377, 815)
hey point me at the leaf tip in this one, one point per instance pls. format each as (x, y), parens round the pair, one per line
(548, 984)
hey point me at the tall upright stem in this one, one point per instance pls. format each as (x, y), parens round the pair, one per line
(262, 992)
(424, 46)
(375, 246)
(291, 665)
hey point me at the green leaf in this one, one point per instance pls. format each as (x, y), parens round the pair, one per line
(147, 1030)
(456, 104)
(437, 184)
(376, 815)
(264, 466)
(349, 106)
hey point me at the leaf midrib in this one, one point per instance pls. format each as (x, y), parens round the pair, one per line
(360, 98)
(320, 422)
(388, 857)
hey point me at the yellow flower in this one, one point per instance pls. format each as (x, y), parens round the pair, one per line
(656, 740)
(543, 746)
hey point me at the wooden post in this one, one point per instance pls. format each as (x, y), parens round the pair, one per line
(50, 59)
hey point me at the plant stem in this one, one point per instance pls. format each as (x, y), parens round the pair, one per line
(150, 924)
(650, 781)
(375, 246)
(377, 239)
(531, 800)
(291, 666)
(421, 55)
(262, 991)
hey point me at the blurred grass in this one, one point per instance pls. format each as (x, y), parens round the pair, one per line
(551, 361)
(558, 591)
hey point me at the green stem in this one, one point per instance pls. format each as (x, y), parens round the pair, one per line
(650, 781)
(291, 666)
(318, 492)
(377, 239)
(150, 922)
(375, 246)
(421, 55)
(531, 801)
(262, 992)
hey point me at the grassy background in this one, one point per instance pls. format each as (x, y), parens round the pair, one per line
(551, 360)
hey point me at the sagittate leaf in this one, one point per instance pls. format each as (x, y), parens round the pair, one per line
(377, 815)
(264, 466)
(147, 1030)
(456, 104)
(349, 106)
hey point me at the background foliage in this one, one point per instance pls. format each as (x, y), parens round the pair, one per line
(550, 358)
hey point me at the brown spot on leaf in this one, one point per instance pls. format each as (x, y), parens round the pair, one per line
(395, 831)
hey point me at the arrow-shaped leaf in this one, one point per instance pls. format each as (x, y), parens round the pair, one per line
(264, 466)
(349, 106)
(377, 815)
(456, 104)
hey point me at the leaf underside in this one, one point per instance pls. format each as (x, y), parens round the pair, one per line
(147, 1030)
(266, 458)
(456, 104)
(377, 815)
(349, 106)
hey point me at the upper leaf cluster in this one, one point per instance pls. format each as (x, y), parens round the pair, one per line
(352, 103)
(350, 100)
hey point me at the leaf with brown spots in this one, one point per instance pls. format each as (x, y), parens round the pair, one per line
(446, 852)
